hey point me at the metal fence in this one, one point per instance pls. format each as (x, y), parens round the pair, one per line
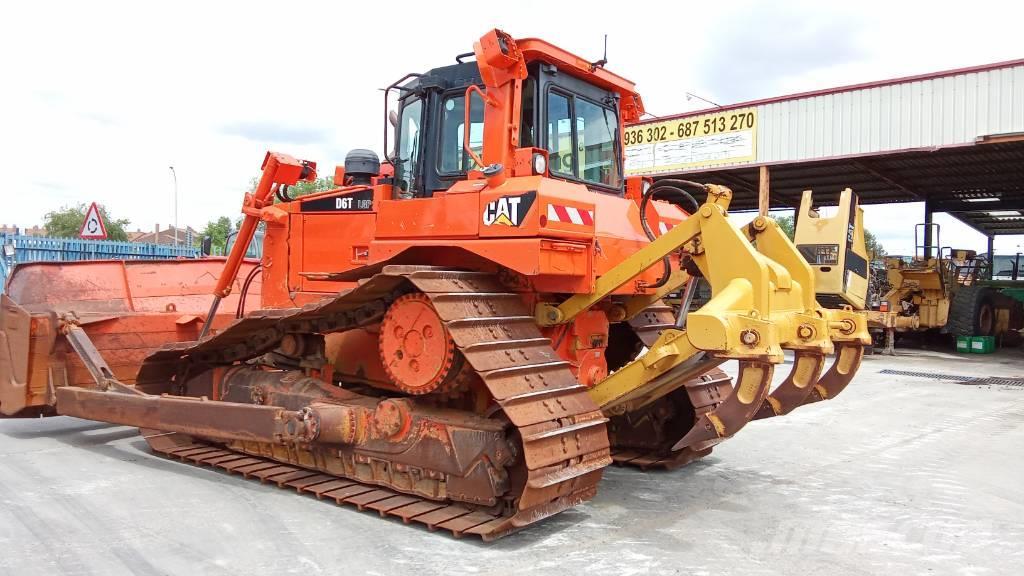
(19, 249)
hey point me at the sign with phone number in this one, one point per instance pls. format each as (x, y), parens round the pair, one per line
(695, 141)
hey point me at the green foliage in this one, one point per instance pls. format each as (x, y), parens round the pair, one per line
(67, 223)
(786, 223)
(217, 230)
(875, 249)
(302, 188)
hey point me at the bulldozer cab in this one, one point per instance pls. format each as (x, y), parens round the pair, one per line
(574, 123)
(431, 109)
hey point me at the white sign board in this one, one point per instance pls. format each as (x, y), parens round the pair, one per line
(691, 142)
(93, 227)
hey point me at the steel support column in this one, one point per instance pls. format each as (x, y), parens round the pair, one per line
(927, 229)
(991, 255)
(762, 191)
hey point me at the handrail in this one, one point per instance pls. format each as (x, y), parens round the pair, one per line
(488, 100)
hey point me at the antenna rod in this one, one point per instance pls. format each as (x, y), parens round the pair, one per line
(691, 95)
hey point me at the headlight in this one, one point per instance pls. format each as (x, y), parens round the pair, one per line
(540, 164)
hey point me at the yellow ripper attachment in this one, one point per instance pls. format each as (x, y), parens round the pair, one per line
(762, 302)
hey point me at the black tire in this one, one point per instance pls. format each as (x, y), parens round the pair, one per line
(972, 312)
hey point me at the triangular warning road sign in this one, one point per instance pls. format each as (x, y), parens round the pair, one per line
(93, 227)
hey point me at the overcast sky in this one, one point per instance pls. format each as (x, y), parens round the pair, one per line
(99, 98)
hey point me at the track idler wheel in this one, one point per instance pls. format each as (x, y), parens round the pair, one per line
(416, 349)
(732, 414)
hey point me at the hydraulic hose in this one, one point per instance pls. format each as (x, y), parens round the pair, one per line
(671, 190)
(240, 310)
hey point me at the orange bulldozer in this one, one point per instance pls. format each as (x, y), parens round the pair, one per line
(462, 336)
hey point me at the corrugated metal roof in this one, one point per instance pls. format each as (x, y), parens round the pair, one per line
(934, 112)
(938, 138)
(850, 87)
(950, 179)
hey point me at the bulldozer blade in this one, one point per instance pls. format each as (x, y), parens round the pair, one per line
(15, 328)
(794, 390)
(842, 371)
(735, 411)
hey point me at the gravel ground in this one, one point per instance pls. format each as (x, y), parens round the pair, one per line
(901, 475)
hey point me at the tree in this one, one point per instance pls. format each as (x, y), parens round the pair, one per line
(786, 223)
(67, 223)
(875, 249)
(302, 188)
(217, 230)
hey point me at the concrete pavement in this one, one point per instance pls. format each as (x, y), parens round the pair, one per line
(901, 475)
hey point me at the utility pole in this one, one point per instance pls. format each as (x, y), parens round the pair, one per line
(175, 176)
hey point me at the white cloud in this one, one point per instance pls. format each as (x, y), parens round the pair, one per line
(99, 98)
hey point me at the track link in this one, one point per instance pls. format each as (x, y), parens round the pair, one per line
(435, 515)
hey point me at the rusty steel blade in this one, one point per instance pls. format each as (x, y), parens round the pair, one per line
(798, 385)
(848, 358)
(15, 338)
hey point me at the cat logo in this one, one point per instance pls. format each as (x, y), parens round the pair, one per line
(508, 210)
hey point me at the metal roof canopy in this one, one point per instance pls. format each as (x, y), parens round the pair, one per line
(967, 182)
(952, 139)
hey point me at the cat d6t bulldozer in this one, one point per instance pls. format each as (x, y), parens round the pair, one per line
(462, 336)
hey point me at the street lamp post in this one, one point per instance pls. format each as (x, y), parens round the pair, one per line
(175, 176)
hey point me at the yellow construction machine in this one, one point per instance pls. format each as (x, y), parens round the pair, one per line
(944, 289)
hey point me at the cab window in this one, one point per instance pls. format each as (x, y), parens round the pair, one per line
(527, 138)
(560, 144)
(582, 139)
(409, 126)
(596, 128)
(453, 158)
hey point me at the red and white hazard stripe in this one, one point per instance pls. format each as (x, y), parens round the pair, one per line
(570, 215)
(663, 227)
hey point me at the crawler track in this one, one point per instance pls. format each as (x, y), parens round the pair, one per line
(563, 442)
